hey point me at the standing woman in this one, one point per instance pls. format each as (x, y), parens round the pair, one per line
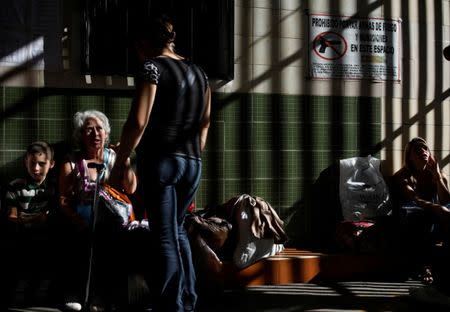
(167, 125)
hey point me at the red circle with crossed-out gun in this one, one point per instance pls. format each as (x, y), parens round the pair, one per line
(446, 53)
(329, 45)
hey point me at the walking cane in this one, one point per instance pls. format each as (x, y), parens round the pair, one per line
(100, 168)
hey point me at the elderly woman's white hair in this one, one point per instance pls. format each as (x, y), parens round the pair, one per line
(79, 121)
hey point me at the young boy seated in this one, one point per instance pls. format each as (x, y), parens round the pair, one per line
(30, 201)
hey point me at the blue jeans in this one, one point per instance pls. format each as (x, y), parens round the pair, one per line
(168, 186)
(417, 220)
(420, 232)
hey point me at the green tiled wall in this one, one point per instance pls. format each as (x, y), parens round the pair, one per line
(273, 146)
(28, 114)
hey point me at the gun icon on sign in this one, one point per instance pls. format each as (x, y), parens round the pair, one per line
(325, 43)
(334, 41)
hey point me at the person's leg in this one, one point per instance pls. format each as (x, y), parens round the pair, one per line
(107, 268)
(417, 232)
(186, 189)
(160, 196)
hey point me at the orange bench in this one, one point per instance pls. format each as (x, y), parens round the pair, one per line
(304, 266)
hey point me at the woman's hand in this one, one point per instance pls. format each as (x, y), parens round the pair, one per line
(116, 175)
(440, 180)
(114, 147)
(115, 178)
(122, 176)
(433, 167)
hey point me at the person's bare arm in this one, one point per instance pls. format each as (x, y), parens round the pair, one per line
(25, 218)
(65, 188)
(409, 194)
(13, 215)
(204, 126)
(442, 187)
(66, 197)
(442, 212)
(129, 179)
(440, 181)
(132, 131)
(439, 210)
(406, 190)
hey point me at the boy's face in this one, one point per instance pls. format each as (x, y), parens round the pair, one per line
(38, 166)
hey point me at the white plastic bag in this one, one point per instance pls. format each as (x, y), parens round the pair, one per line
(362, 189)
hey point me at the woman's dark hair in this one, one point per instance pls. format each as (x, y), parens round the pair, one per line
(158, 30)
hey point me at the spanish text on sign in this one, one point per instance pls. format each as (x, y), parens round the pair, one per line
(353, 48)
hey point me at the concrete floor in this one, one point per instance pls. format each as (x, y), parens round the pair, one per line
(339, 296)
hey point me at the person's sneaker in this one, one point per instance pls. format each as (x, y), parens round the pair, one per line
(97, 308)
(73, 306)
(426, 276)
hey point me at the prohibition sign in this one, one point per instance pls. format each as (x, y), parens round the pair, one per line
(330, 45)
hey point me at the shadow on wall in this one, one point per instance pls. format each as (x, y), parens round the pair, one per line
(12, 170)
(29, 107)
(322, 207)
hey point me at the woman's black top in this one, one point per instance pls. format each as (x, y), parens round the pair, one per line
(174, 124)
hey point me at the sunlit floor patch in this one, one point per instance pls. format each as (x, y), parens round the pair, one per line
(358, 289)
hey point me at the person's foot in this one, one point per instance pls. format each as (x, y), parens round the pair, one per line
(72, 306)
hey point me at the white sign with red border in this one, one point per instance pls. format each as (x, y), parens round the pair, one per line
(354, 48)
